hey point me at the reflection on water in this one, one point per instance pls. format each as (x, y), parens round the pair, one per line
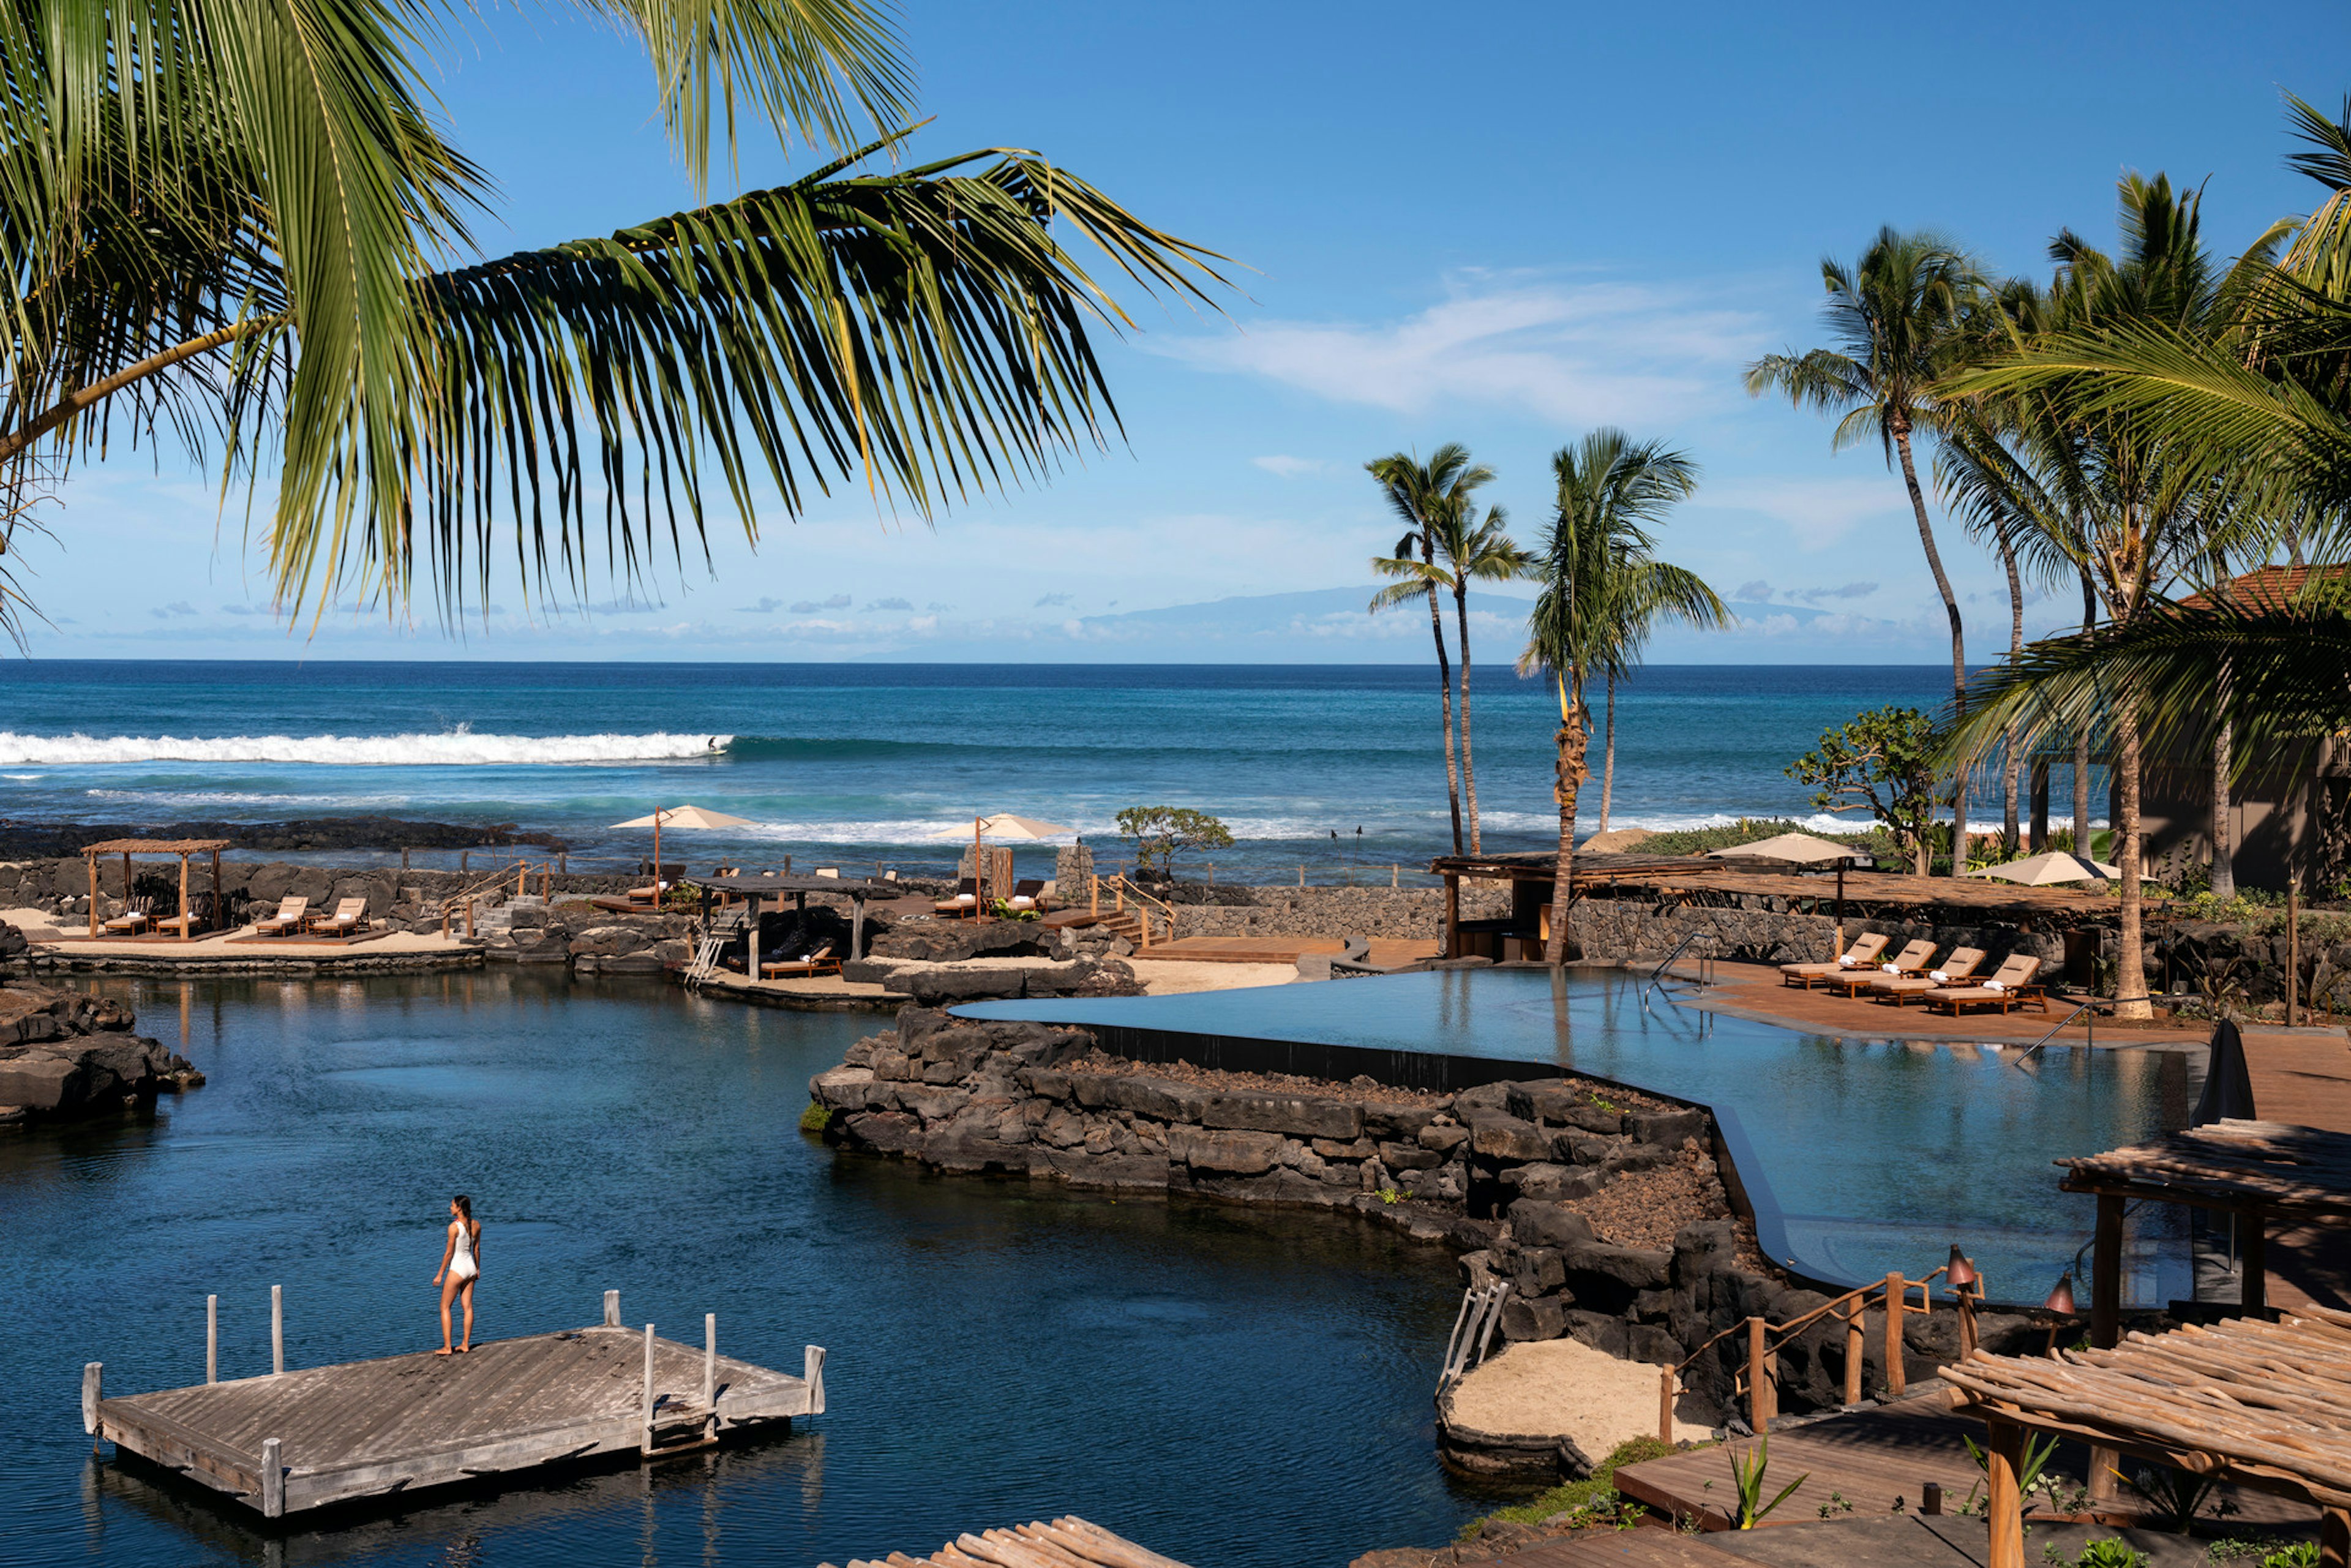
(1862, 1157)
(1232, 1387)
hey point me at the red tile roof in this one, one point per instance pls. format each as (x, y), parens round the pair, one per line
(2266, 587)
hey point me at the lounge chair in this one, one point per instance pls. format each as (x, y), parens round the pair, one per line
(821, 962)
(1913, 959)
(288, 918)
(965, 900)
(1028, 894)
(1860, 956)
(1958, 969)
(829, 870)
(2011, 985)
(136, 917)
(350, 915)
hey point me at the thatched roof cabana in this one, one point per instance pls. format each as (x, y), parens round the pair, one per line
(182, 848)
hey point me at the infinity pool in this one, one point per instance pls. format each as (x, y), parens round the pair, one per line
(1860, 1156)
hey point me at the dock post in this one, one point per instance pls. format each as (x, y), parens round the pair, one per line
(710, 1373)
(276, 1329)
(1896, 1381)
(273, 1479)
(645, 1443)
(212, 1339)
(1853, 1339)
(612, 1309)
(812, 1374)
(93, 1383)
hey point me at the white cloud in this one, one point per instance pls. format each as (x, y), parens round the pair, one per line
(1289, 467)
(1817, 513)
(1574, 352)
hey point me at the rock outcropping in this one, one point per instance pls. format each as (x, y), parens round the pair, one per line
(65, 1054)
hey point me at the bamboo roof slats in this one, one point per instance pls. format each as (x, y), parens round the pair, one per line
(1699, 878)
(2267, 1404)
(2288, 1170)
(1065, 1543)
(156, 847)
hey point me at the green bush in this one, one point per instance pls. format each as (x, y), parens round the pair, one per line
(2110, 1553)
(1594, 1496)
(816, 1118)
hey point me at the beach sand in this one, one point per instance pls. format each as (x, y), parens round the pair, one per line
(1171, 976)
(1560, 1387)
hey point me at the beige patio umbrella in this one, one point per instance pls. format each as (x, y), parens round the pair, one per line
(1802, 849)
(675, 817)
(2057, 865)
(1005, 825)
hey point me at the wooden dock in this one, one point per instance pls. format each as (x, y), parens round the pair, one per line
(291, 1441)
(1067, 1543)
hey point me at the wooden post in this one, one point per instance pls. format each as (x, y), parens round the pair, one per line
(92, 861)
(187, 930)
(1392, 871)
(212, 1339)
(1666, 1406)
(1302, 877)
(272, 1478)
(1969, 1341)
(404, 857)
(1840, 908)
(612, 1309)
(751, 940)
(2335, 1538)
(469, 920)
(465, 860)
(1763, 1394)
(2106, 1274)
(1093, 896)
(93, 1384)
(1452, 915)
(220, 899)
(1853, 1351)
(645, 1405)
(857, 926)
(1896, 1381)
(1931, 1497)
(563, 863)
(2102, 1463)
(2254, 1263)
(710, 1373)
(2003, 1465)
(2293, 949)
(812, 1374)
(276, 1329)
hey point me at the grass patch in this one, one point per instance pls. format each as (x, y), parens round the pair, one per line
(816, 1118)
(1595, 1495)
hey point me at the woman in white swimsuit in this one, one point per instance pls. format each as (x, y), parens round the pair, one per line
(461, 1265)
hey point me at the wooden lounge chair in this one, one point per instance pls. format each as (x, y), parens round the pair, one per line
(202, 915)
(288, 918)
(350, 915)
(1958, 969)
(966, 901)
(1028, 894)
(2011, 985)
(136, 917)
(1913, 959)
(821, 962)
(1860, 956)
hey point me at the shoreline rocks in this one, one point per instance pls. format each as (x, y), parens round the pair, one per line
(66, 1054)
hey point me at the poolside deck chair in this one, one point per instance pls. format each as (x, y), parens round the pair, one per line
(820, 962)
(288, 918)
(136, 917)
(1901, 990)
(1860, 956)
(1913, 959)
(964, 901)
(2011, 985)
(350, 915)
(1028, 894)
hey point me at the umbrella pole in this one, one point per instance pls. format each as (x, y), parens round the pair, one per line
(979, 876)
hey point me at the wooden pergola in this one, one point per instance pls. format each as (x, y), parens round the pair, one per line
(754, 886)
(2259, 1404)
(2261, 1172)
(183, 848)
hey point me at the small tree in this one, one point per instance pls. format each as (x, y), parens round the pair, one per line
(1159, 831)
(1884, 759)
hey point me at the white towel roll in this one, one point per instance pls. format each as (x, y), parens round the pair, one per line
(1940, 978)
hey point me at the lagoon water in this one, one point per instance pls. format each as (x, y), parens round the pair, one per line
(879, 761)
(1233, 1389)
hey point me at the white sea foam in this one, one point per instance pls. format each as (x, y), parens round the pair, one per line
(449, 748)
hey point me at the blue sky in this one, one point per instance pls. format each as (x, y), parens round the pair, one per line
(1500, 224)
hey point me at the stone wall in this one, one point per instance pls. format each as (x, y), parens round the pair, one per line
(1640, 929)
(1605, 1211)
(1372, 912)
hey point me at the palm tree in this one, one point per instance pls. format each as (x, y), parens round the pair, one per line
(1900, 321)
(1602, 591)
(242, 220)
(1482, 553)
(1644, 598)
(1434, 501)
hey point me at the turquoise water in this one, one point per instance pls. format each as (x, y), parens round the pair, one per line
(885, 762)
(1862, 1157)
(1236, 1389)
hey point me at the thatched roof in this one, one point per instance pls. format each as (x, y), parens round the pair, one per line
(2233, 1163)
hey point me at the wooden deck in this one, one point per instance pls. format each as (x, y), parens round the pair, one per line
(1067, 1543)
(1386, 951)
(1872, 1458)
(365, 1429)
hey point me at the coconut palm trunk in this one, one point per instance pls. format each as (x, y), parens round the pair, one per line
(2130, 946)
(2082, 740)
(1469, 767)
(1445, 703)
(2012, 756)
(1608, 763)
(1572, 738)
(2224, 847)
(1901, 431)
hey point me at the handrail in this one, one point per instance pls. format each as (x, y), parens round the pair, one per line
(1688, 939)
(1119, 883)
(2090, 1030)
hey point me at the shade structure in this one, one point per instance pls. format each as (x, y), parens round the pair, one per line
(1005, 825)
(2057, 865)
(1801, 848)
(693, 816)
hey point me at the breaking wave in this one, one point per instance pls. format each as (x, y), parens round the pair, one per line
(457, 747)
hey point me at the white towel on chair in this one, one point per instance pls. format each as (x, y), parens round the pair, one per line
(1939, 976)
(1891, 968)
(1994, 986)
(1847, 961)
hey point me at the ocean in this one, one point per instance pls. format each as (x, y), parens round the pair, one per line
(1337, 769)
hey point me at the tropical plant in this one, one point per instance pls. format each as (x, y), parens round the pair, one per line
(1160, 831)
(1434, 498)
(1902, 321)
(1639, 620)
(1483, 553)
(1747, 1471)
(1884, 759)
(2110, 1551)
(241, 222)
(1602, 588)
(2173, 1497)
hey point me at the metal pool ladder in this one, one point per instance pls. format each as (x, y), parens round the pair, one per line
(1662, 974)
(1473, 1330)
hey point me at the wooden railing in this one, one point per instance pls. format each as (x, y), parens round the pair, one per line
(1757, 1380)
(520, 873)
(1145, 904)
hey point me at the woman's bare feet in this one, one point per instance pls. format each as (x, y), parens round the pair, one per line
(442, 1351)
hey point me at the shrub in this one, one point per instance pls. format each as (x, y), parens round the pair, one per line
(816, 1118)
(1595, 1497)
